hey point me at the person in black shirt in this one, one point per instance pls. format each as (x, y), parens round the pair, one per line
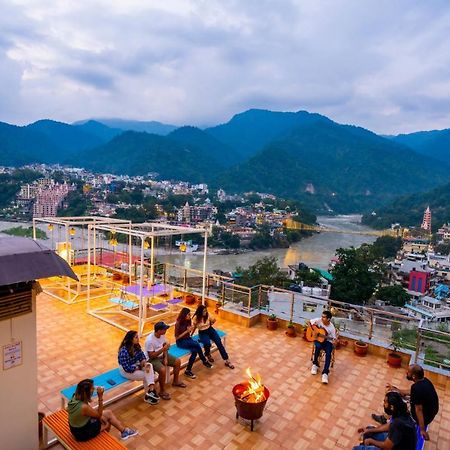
(401, 433)
(423, 398)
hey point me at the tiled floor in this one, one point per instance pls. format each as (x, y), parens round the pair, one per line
(300, 414)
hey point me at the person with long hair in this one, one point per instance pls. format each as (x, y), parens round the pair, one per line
(401, 430)
(134, 366)
(206, 332)
(183, 331)
(85, 422)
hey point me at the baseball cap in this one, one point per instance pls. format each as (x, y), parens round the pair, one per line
(159, 326)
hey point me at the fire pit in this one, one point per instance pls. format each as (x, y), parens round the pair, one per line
(250, 398)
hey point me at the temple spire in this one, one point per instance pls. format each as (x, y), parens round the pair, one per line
(426, 223)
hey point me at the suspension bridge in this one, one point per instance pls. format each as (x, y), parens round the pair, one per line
(291, 224)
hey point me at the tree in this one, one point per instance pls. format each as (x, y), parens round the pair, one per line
(264, 271)
(386, 246)
(356, 275)
(308, 276)
(395, 295)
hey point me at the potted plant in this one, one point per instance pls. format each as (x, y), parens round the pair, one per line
(218, 306)
(291, 329)
(189, 298)
(307, 324)
(361, 348)
(272, 322)
(394, 358)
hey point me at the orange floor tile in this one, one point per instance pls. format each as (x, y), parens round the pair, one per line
(301, 413)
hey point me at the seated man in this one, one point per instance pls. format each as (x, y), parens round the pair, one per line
(324, 322)
(423, 399)
(157, 349)
(401, 431)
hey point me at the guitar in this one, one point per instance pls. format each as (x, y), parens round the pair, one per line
(314, 333)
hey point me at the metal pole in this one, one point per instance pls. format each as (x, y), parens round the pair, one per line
(152, 260)
(141, 282)
(95, 245)
(371, 325)
(204, 268)
(34, 229)
(418, 341)
(89, 267)
(130, 255)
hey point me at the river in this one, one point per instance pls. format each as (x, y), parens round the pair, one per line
(314, 251)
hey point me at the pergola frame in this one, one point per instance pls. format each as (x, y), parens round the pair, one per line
(68, 223)
(154, 230)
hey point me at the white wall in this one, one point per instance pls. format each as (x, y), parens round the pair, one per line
(18, 386)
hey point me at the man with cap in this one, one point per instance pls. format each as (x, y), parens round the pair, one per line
(157, 349)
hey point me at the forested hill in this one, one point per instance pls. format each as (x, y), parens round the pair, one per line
(347, 168)
(408, 210)
(136, 153)
(435, 144)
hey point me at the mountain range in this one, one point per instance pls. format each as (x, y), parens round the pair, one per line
(298, 155)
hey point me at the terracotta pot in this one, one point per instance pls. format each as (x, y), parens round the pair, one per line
(272, 324)
(291, 332)
(189, 299)
(361, 348)
(394, 360)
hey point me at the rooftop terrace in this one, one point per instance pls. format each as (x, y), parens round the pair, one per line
(301, 413)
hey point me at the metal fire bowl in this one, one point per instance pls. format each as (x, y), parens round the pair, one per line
(249, 411)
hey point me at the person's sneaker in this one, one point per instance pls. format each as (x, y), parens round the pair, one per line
(127, 433)
(210, 358)
(208, 365)
(151, 400)
(314, 369)
(189, 374)
(154, 394)
(379, 418)
(325, 378)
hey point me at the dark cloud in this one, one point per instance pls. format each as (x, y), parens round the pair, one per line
(380, 64)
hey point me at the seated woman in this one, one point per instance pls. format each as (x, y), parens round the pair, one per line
(204, 322)
(85, 422)
(183, 331)
(134, 366)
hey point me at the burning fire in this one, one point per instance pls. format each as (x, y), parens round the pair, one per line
(255, 390)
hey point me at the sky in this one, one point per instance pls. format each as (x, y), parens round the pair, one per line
(380, 64)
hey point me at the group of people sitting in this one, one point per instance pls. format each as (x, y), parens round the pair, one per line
(403, 426)
(135, 364)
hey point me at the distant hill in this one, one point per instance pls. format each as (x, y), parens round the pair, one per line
(67, 138)
(206, 143)
(20, 145)
(134, 125)
(435, 144)
(48, 141)
(349, 168)
(252, 130)
(103, 132)
(136, 153)
(408, 210)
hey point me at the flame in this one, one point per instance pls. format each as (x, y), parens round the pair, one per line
(255, 391)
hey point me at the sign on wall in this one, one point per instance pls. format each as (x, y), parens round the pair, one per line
(12, 355)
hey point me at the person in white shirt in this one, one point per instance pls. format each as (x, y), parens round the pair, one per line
(157, 349)
(327, 345)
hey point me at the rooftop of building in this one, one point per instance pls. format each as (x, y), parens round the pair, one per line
(301, 412)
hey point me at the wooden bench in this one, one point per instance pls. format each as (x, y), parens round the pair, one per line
(58, 424)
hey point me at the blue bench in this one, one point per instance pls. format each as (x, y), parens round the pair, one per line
(113, 379)
(109, 380)
(178, 352)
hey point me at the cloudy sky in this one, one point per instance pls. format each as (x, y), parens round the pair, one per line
(381, 64)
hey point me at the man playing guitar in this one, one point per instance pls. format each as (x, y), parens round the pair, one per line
(325, 339)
